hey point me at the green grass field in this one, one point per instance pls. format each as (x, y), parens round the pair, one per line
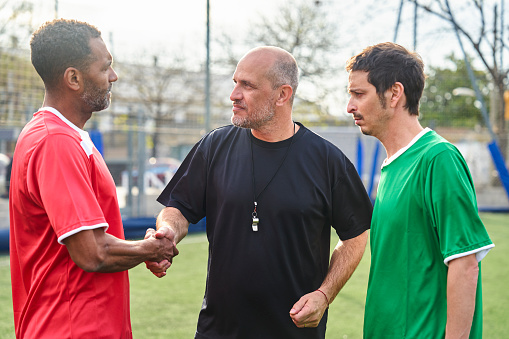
(168, 307)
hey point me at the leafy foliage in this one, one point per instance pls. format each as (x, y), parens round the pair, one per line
(448, 100)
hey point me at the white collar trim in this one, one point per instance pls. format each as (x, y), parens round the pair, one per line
(387, 161)
(86, 142)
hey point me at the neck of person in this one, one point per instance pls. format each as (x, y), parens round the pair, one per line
(274, 132)
(400, 134)
(67, 109)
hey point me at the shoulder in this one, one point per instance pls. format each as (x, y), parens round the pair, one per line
(317, 145)
(223, 132)
(46, 129)
(327, 157)
(217, 140)
(440, 156)
(222, 135)
(436, 146)
(55, 127)
(314, 138)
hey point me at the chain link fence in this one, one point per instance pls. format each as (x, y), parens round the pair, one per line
(150, 135)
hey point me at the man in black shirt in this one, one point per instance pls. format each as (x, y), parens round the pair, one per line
(271, 190)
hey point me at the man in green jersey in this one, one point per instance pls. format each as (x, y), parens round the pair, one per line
(427, 239)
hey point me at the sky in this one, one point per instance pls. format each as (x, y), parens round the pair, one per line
(131, 27)
(134, 29)
(138, 27)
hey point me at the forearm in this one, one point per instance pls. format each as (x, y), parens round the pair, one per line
(461, 290)
(309, 309)
(344, 260)
(173, 218)
(98, 251)
(120, 255)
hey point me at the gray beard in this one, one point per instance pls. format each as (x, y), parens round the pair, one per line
(257, 120)
(95, 99)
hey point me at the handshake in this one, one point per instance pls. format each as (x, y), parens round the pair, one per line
(165, 248)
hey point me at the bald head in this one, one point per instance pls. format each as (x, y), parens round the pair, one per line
(270, 52)
(279, 66)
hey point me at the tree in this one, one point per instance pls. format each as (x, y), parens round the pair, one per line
(484, 34)
(15, 21)
(305, 30)
(165, 91)
(448, 100)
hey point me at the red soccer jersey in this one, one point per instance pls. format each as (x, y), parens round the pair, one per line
(60, 185)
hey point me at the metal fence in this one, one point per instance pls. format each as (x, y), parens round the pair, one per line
(130, 131)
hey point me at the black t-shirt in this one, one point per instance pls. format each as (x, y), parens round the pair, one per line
(254, 278)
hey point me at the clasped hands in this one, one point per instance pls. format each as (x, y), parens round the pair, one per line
(159, 268)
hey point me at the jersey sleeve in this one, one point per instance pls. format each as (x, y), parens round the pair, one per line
(59, 179)
(453, 207)
(186, 190)
(351, 208)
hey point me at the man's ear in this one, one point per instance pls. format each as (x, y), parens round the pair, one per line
(397, 94)
(285, 93)
(73, 79)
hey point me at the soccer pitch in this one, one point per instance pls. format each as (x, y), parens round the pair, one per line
(169, 307)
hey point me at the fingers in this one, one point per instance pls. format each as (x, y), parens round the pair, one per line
(168, 233)
(165, 232)
(166, 250)
(297, 307)
(150, 232)
(308, 311)
(158, 268)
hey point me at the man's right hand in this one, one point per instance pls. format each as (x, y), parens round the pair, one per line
(163, 260)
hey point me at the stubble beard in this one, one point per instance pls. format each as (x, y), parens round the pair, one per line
(257, 119)
(95, 98)
(381, 119)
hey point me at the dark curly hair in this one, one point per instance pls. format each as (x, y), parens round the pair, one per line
(388, 63)
(60, 44)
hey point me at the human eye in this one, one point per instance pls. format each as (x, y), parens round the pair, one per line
(248, 85)
(356, 94)
(107, 66)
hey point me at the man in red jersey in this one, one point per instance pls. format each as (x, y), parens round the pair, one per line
(68, 253)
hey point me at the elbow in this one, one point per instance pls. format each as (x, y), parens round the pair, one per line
(91, 267)
(91, 263)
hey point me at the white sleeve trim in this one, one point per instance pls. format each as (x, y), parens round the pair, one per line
(480, 253)
(82, 228)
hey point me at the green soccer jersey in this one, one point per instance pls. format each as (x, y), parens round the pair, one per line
(425, 215)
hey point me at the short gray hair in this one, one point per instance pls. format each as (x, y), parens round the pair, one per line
(284, 72)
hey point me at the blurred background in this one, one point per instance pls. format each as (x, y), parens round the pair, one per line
(175, 61)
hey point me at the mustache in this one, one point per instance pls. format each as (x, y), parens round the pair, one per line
(238, 103)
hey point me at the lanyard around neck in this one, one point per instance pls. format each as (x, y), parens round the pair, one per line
(256, 196)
